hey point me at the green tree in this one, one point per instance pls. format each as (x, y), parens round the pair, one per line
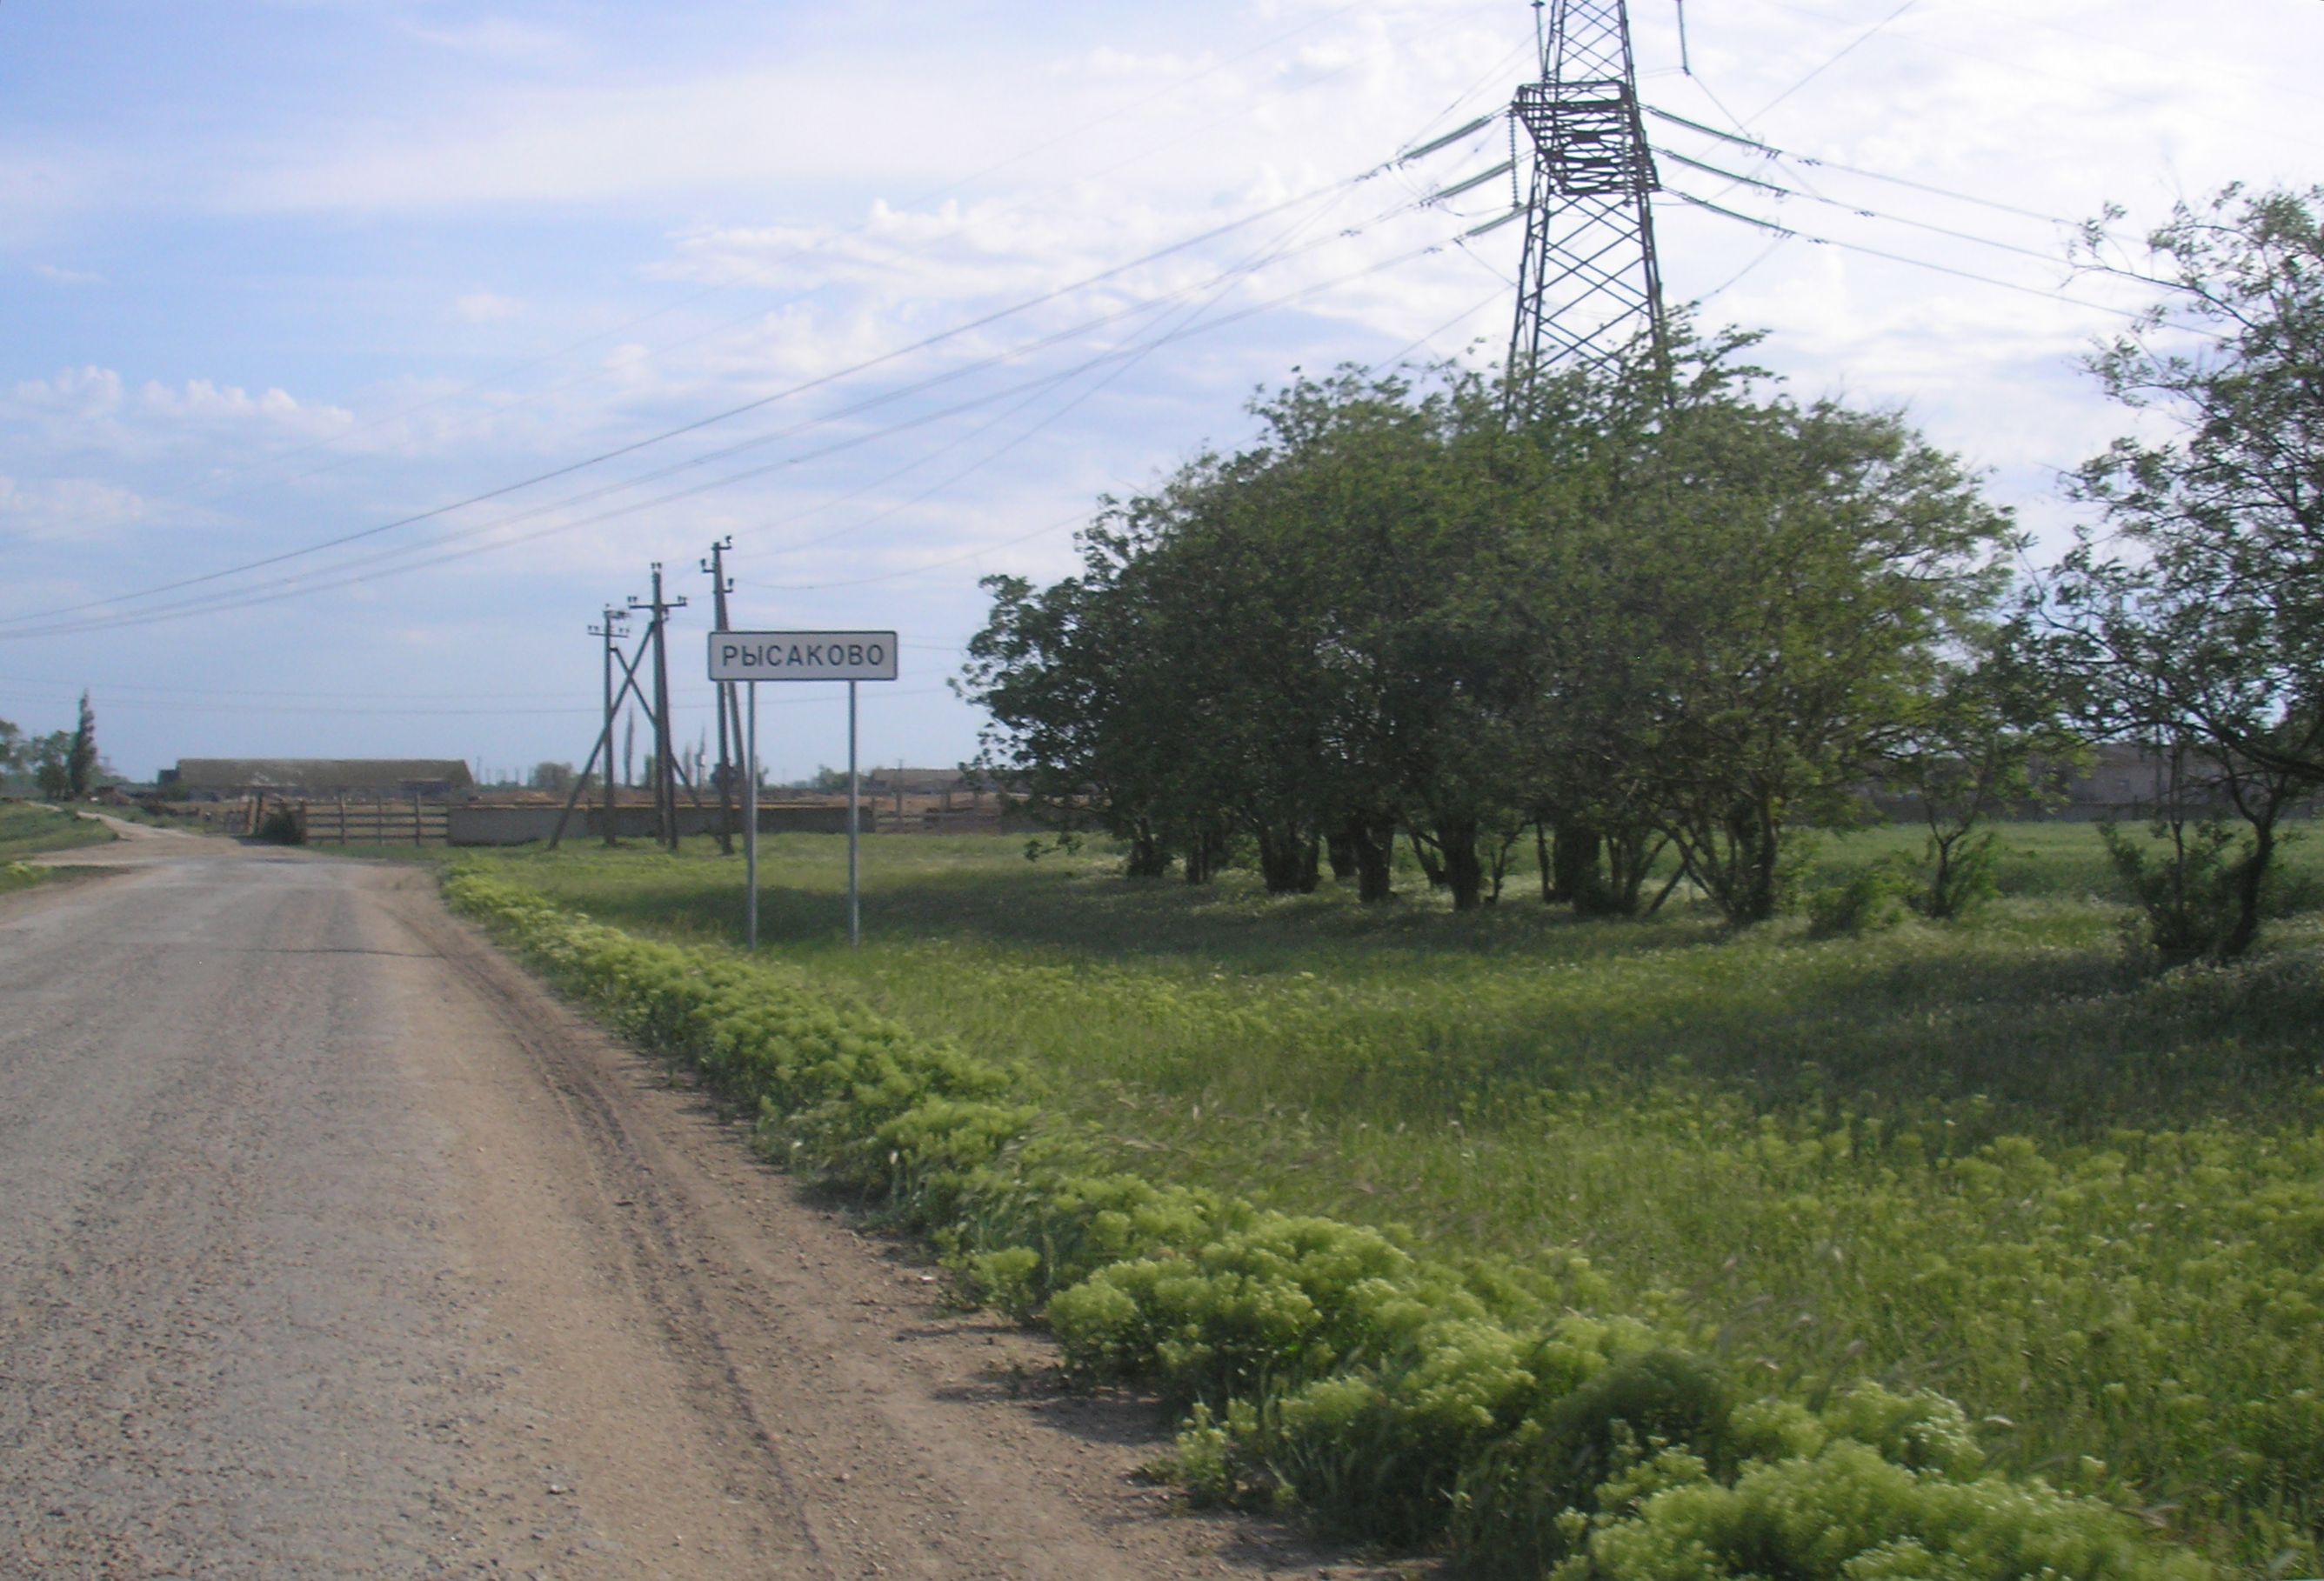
(1655, 607)
(1303, 644)
(80, 752)
(1805, 569)
(51, 757)
(1993, 739)
(2191, 615)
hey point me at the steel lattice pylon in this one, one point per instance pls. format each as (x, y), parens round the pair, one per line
(1588, 283)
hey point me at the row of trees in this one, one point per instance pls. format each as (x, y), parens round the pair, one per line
(62, 764)
(1666, 608)
(1660, 606)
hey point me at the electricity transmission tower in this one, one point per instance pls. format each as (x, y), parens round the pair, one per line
(1588, 283)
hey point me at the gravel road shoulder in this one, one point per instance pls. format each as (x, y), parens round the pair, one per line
(345, 1250)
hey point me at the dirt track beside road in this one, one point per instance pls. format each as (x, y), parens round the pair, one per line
(337, 1248)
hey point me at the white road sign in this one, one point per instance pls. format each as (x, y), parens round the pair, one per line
(802, 656)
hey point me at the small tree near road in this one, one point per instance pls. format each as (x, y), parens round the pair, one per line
(80, 753)
(50, 757)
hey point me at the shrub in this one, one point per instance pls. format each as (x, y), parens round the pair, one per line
(1962, 880)
(2187, 884)
(1846, 1514)
(1871, 901)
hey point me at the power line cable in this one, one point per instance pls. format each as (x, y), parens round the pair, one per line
(1851, 47)
(1277, 249)
(1482, 122)
(1059, 525)
(2119, 40)
(1201, 328)
(230, 598)
(1788, 231)
(1733, 281)
(729, 413)
(1809, 160)
(1083, 515)
(305, 584)
(1243, 107)
(1411, 346)
(1340, 188)
(1720, 105)
(2275, 131)
(305, 581)
(1779, 191)
(1144, 152)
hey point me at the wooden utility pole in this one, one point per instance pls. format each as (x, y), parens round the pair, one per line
(610, 629)
(628, 689)
(665, 743)
(721, 584)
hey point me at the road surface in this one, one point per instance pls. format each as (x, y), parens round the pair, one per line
(333, 1247)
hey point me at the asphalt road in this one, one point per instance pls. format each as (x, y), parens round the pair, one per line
(333, 1248)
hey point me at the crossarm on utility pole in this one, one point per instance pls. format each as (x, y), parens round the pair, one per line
(628, 688)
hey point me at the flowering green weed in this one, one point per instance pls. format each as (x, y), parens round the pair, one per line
(1984, 1161)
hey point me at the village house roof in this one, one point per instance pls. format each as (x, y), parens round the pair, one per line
(321, 776)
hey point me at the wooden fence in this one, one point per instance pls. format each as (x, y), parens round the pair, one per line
(346, 820)
(343, 821)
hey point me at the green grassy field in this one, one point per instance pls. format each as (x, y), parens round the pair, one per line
(1988, 1157)
(26, 829)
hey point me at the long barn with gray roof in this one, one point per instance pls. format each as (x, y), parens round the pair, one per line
(428, 779)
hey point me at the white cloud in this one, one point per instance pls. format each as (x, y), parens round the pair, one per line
(750, 130)
(66, 510)
(65, 277)
(87, 391)
(502, 38)
(485, 308)
(871, 109)
(202, 401)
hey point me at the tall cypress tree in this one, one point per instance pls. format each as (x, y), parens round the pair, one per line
(80, 759)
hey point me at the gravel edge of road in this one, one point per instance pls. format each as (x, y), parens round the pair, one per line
(1089, 1446)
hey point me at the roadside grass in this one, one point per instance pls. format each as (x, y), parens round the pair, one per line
(15, 875)
(129, 812)
(1987, 1158)
(27, 830)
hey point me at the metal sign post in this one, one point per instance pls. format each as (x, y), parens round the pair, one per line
(751, 822)
(855, 891)
(751, 656)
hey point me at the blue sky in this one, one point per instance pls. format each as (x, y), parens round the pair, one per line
(271, 274)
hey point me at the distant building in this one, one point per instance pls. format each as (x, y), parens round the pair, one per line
(431, 779)
(877, 780)
(2125, 781)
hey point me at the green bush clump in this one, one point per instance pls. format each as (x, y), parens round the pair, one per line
(1872, 900)
(1845, 1513)
(870, 1106)
(1409, 1398)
